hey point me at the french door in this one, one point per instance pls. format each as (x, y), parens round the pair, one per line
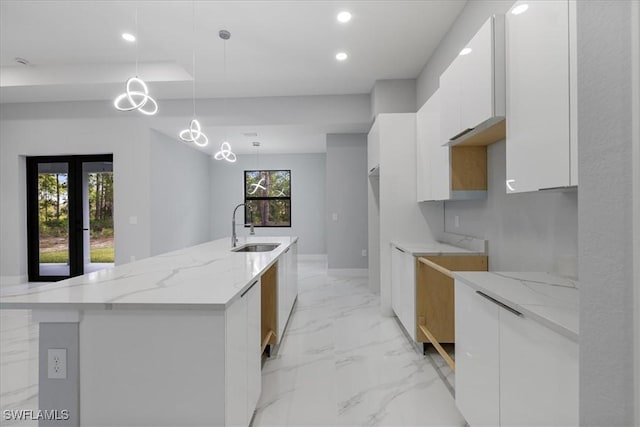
(69, 208)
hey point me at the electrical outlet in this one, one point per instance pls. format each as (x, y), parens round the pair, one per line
(57, 363)
(456, 221)
(364, 252)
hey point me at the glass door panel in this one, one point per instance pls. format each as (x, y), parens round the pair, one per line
(69, 215)
(53, 219)
(97, 213)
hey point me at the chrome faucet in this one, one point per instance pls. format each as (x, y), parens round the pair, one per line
(234, 237)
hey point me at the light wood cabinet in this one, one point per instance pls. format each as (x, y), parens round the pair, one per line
(422, 294)
(541, 96)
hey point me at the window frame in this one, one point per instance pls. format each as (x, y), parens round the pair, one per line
(268, 198)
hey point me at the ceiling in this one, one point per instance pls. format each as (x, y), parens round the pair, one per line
(277, 48)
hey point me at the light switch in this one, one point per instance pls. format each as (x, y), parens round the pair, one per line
(334, 216)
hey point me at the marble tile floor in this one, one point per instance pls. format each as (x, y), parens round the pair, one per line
(340, 364)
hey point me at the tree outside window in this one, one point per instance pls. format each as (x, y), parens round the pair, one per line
(267, 197)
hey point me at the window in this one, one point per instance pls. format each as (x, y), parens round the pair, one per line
(267, 198)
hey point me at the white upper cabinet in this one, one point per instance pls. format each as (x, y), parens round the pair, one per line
(432, 159)
(472, 87)
(373, 149)
(541, 132)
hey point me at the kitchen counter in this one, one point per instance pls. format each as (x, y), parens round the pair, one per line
(207, 276)
(550, 300)
(448, 244)
(198, 319)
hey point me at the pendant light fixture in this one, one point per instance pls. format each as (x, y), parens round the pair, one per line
(136, 96)
(194, 132)
(257, 186)
(225, 148)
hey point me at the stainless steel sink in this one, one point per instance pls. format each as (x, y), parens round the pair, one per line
(257, 247)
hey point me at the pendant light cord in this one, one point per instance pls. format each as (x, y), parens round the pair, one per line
(137, 35)
(193, 59)
(224, 100)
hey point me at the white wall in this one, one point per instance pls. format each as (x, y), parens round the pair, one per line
(393, 96)
(307, 197)
(526, 231)
(605, 208)
(180, 195)
(20, 136)
(347, 198)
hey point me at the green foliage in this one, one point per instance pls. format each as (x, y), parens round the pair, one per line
(60, 256)
(102, 254)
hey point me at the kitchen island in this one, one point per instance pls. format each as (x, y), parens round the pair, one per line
(175, 339)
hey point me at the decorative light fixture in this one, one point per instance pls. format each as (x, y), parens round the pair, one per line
(137, 98)
(194, 132)
(225, 148)
(256, 187)
(225, 153)
(465, 51)
(341, 56)
(509, 186)
(344, 17)
(520, 9)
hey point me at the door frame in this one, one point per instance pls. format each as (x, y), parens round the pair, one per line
(75, 214)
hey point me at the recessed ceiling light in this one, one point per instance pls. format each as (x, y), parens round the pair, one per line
(341, 56)
(520, 9)
(344, 17)
(129, 37)
(465, 51)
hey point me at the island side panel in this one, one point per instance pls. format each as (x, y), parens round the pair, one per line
(152, 367)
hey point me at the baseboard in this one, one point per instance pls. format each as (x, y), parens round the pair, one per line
(12, 280)
(350, 272)
(312, 257)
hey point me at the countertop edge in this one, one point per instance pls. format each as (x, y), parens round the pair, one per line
(215, 306)
(522, 309)
(461, 252)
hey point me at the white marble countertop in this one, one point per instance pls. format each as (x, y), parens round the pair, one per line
(551, 300)
(206, 276)
(434, 249)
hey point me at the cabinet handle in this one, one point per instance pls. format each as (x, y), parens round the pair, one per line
(493, 300)
(401, 250)
(245, 292)
(464, 132)
(372, 169)
(566, 187)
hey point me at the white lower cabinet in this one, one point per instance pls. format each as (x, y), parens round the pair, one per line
(403, 289)
(477, 359)
(511, 370)
(287, 286)
(242, 357)
(254, 353)
(538, 375)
